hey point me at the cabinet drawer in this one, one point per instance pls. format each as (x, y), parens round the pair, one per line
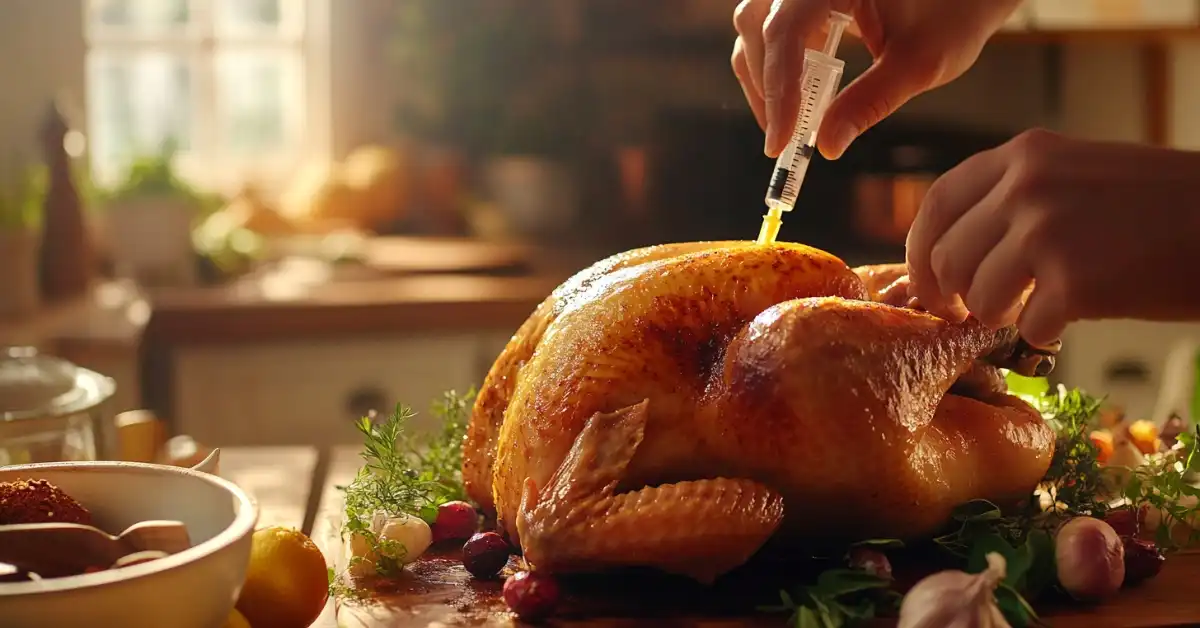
(311, 393)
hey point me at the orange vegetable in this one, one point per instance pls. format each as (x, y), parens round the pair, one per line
(1103, 440)
(1144, 435)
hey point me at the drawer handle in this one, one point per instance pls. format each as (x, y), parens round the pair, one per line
(1130, 371)
(365, 402)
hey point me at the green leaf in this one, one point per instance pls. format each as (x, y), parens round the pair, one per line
(880, 543)
(1015, 609)
(1195, 418)
(808, 618)
(977, 510)
(1043, 569)
(1032, 387)
(1017, 562)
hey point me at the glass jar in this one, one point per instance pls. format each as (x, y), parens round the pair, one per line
(50, 409)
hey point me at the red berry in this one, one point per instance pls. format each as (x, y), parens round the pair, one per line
(870, 561)
(1143, 560)
(485, 554)
(455, 520)
(1123, 521)
(531, 595)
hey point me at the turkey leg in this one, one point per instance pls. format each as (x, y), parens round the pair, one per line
(699, 529)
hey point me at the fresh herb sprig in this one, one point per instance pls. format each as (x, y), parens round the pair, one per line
(438, 460)
(1161, 484)
(402, 475)
(839, 598)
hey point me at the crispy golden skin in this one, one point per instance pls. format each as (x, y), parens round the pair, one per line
(678, 406)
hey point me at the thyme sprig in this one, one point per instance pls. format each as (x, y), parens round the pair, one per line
(405, 475)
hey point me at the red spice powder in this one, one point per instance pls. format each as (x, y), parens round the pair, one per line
(39, 501)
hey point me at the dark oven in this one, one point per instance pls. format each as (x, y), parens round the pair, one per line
(707, 175)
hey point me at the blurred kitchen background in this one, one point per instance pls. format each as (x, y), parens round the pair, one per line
(262, 218)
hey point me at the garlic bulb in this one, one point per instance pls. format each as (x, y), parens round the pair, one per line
(955, 599)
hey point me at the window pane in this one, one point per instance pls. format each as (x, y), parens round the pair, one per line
(139, 16)
(257, 18)
(260, 96)
(137, 102)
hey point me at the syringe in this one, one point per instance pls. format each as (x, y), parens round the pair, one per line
(819, 82)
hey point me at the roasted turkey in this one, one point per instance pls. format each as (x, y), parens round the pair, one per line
(679, 406)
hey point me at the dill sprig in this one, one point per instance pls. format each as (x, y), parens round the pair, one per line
(405, 475)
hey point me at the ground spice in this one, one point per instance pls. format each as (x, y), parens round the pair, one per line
(39, 501)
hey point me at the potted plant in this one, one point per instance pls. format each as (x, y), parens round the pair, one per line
(21, 200)
(486, 79)
(148, 221)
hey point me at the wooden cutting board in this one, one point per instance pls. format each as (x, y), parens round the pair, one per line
(437, 591)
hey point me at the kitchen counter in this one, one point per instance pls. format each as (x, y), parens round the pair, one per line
(258, 313)
(297, 352)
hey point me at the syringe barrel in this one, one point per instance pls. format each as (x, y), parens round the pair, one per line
(819, 82)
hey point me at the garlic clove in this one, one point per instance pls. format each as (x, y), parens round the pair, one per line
(411, 534)
(955, 599)
(362, 556)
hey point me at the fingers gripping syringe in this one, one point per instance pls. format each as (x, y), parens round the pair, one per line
(818, 83)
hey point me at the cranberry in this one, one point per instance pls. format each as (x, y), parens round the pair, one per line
(870, 561)
(1123, 521)
(1143, 560)
(531, 595)
(485, 554)
(455, 520)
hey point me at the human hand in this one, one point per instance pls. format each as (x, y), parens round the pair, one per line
(917, 45)
(1096, 228)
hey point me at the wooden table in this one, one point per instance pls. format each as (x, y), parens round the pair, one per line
(275, 476)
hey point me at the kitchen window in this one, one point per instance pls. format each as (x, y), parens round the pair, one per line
(230, 82)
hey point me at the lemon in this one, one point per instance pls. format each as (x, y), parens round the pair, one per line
(286, 582)
(236, 620)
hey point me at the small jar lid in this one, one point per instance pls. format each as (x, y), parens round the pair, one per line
(35, 386)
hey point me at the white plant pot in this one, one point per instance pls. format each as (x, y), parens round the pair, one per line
(536, 196)
(150, 239)
(19, 294)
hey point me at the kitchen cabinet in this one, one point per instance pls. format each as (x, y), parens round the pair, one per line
(311, 392)
(1123, 359)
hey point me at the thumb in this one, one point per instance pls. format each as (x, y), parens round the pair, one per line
(878, 92)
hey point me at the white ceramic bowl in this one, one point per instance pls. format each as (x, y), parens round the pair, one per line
(195, 588)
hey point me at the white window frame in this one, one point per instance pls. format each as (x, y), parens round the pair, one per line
(203, 165)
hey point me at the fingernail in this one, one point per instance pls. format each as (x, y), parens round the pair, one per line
(957, 308)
